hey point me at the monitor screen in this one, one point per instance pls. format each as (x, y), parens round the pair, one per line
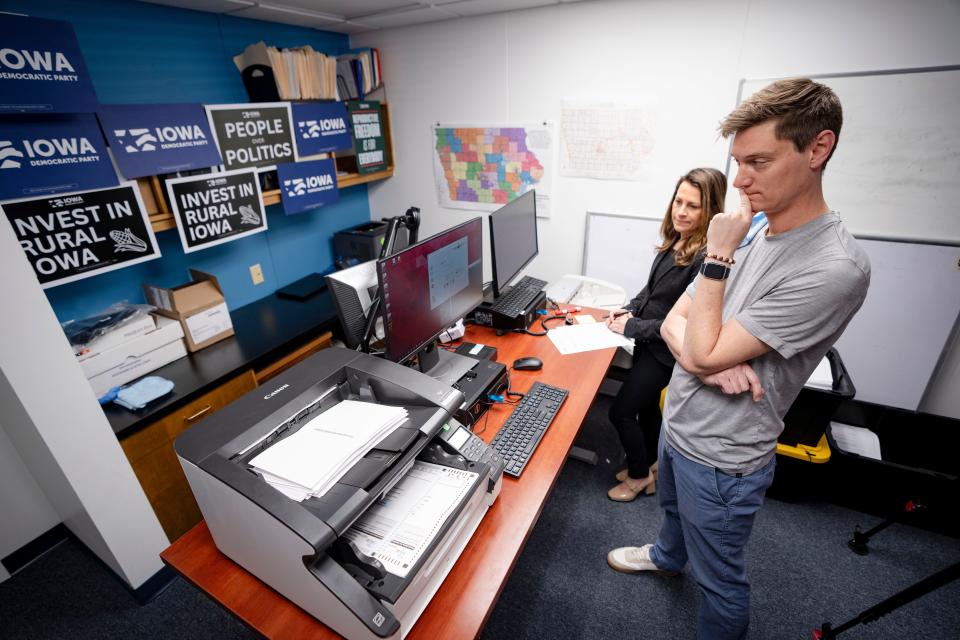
(513, 239)
(429, 286)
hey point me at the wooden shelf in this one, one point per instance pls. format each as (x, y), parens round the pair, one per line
(161, 219)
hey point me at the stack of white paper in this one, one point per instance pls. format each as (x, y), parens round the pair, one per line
(313, 459)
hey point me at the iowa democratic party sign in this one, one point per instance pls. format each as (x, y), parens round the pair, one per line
(320, 127)
(217, 208)
(149, 140)
(41, 68)
(40, 155)
(72, 236)
(307, 185)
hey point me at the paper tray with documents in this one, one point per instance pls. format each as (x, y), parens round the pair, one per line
(364, 547)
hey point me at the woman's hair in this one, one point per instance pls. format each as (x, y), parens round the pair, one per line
(713, 191)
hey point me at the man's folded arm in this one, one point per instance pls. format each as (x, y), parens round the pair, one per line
(709, 344)
(732, 345)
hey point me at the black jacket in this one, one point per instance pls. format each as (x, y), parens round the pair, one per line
(652, 304)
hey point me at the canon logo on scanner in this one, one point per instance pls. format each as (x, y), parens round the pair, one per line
(275, 392)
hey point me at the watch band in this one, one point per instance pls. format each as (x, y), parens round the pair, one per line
(714, 270)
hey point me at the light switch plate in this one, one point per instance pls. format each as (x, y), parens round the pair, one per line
(256, 274)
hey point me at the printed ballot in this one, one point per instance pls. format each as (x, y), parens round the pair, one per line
(399, 529)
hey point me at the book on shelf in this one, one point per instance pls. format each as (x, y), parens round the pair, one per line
(358, 73)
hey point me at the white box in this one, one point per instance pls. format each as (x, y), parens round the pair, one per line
(206, 324)
(116, 337)
(136, 357)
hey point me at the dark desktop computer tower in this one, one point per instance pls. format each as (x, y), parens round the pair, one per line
(486, 316)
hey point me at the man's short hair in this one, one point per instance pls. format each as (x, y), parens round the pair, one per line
(803, 108)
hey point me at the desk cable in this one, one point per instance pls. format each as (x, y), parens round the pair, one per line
(494, 399)
(543, 324)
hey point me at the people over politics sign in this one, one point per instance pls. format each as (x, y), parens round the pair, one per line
(253, 135)
(41, 68)
(216, 208)
(150, 140)
(41, 155)
(72, 236)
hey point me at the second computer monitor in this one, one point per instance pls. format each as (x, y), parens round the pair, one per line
(429, 286)
(513, 239)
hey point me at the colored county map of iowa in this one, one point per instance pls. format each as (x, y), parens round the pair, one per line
(487, 165)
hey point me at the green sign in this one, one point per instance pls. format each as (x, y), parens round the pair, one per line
(368, 138)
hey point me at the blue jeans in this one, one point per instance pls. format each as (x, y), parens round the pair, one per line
(708, 518)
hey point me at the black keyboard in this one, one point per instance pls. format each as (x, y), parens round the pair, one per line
(514, 302)
(521, 433)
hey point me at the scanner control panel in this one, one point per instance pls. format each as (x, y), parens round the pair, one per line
(459, 440)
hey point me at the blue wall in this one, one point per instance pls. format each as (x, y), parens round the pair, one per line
(144, 53)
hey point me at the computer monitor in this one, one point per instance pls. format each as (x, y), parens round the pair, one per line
(513, 239)
(429, 286)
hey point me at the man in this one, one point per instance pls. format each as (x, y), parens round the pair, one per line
(747, 334)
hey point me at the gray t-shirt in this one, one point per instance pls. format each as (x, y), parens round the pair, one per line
(796, 292)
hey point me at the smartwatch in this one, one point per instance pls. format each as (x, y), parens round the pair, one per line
(714, 270)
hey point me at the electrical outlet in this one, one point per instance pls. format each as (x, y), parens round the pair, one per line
(256, 274)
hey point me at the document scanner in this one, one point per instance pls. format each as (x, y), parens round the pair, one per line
(309, 550)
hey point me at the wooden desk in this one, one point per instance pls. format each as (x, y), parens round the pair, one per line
(461, 606)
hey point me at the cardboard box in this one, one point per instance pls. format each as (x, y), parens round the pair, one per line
(116, 337)
(199, 306)
(135, 357)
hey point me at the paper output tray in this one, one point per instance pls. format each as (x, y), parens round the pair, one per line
(391, 586)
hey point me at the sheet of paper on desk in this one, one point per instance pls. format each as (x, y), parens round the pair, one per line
(398, 529)
(314, 458)
(577, 338)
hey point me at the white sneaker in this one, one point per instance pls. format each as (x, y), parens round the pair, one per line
(634, 560)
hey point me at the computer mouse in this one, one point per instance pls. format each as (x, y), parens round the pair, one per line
(528, 364)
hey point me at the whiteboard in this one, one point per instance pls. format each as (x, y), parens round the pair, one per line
(894, 172)
(891, 347)
(620, 249)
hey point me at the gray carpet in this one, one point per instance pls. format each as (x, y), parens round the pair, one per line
(802, 574)
(800, 568)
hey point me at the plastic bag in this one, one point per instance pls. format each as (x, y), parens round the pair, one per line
(85, 330)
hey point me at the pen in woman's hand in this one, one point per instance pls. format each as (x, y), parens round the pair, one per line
(616, 315)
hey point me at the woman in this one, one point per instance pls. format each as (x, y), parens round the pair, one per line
(636, 411)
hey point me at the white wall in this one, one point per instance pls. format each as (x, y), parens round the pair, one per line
(682, 59)
(26, 511)
(52, 419)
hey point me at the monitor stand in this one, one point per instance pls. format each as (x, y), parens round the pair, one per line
(488, 297)
(444, 365)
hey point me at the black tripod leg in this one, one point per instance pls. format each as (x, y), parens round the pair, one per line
(911, 593)
(858, 543)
